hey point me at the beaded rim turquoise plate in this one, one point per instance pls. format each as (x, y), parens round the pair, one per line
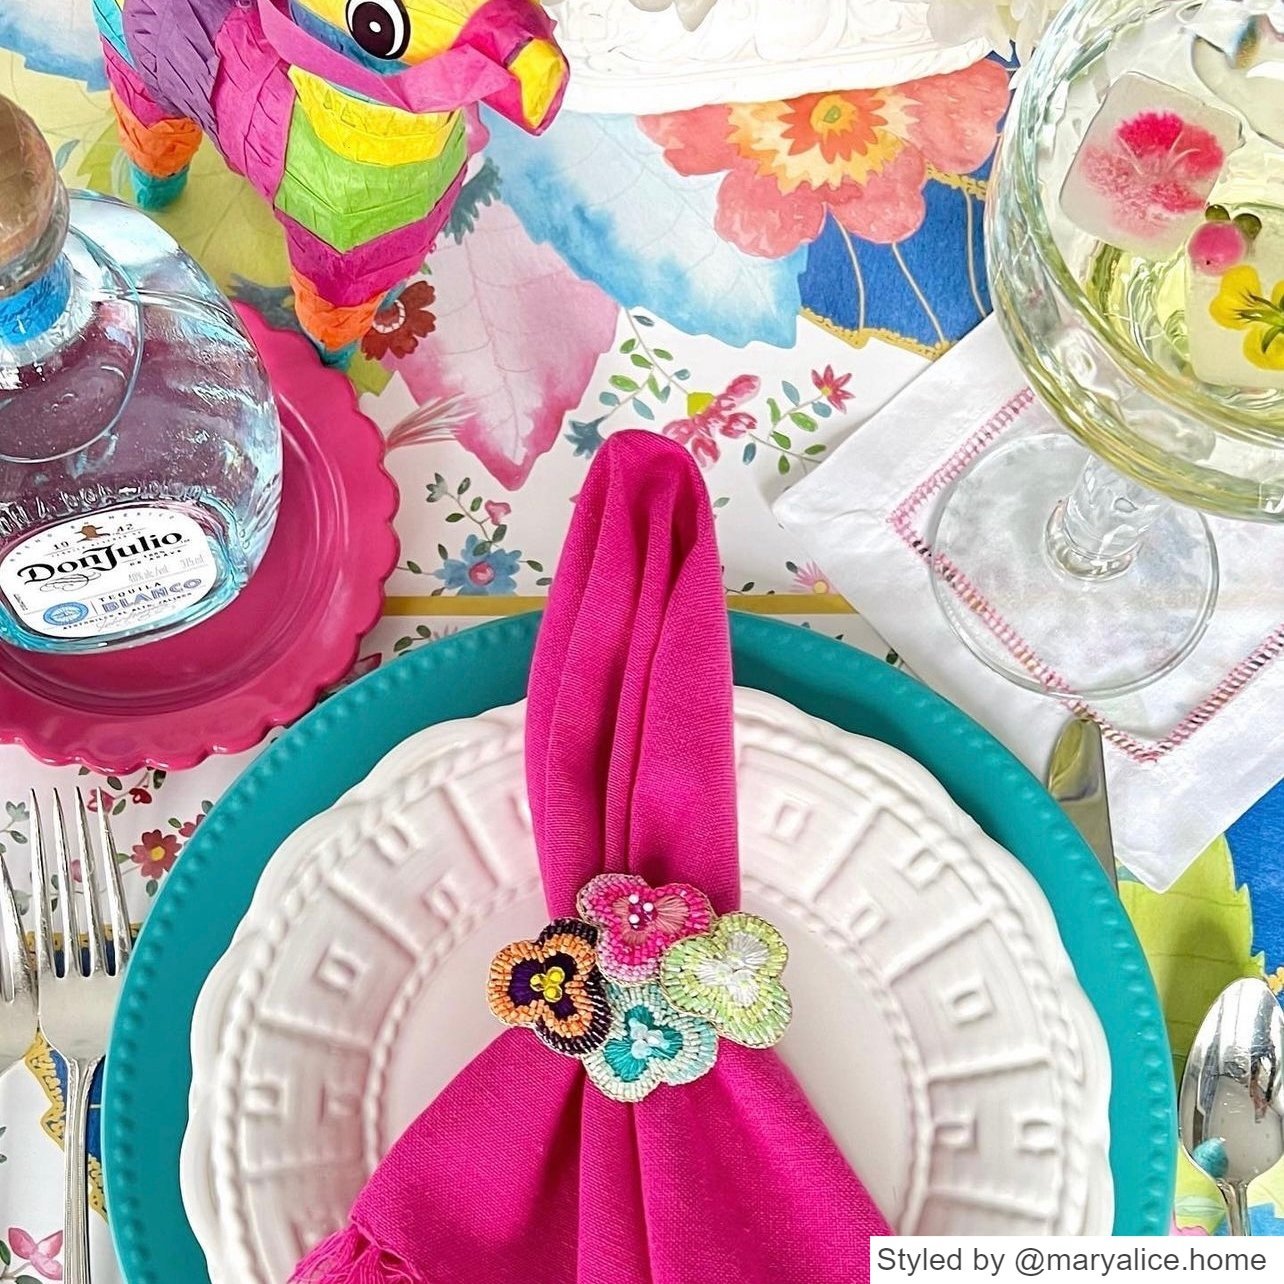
(203, 900)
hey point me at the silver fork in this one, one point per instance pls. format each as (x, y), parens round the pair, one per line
(77, 1005)
(17, 982)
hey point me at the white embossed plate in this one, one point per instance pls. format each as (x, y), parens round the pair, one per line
(939, 1027)
(626, 59)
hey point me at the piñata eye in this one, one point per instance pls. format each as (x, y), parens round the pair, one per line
(380, 27)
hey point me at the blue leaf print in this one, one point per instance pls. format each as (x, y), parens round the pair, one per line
(55, 36)
(601, 193)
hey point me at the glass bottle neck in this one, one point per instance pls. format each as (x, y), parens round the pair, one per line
(39, 320)
(37, 297)
(32, 311)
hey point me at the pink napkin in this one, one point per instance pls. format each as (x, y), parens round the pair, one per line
(522, 1172)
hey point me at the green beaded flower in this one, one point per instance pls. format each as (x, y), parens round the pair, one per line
(650, 1043)
(730, 976)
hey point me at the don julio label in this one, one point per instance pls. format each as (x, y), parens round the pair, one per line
(108, 573)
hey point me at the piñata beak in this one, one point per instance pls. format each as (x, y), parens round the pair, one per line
(518, 34)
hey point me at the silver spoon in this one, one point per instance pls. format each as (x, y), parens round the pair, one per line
(1232, 1094)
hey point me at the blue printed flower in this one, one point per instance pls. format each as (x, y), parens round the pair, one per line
(650, 1043)
(586, 437)
(480, 570)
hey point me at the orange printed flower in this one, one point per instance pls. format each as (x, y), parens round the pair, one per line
(862, 155)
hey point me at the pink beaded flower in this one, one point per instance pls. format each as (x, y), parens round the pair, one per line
(637, 922)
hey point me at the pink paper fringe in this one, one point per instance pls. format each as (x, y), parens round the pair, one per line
(348, 1257)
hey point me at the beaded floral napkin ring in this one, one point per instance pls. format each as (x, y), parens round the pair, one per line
(641, 986)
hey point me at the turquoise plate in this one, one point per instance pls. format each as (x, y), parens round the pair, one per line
(203, 899)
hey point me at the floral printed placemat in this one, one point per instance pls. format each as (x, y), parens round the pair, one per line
(752, 281)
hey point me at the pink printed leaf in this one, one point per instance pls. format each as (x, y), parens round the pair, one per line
(518, 336)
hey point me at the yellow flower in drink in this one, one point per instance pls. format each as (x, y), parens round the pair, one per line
(1242, 305)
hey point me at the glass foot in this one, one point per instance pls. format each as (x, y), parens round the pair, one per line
(1024, 599)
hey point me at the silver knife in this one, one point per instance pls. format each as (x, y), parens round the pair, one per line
(1077, 780)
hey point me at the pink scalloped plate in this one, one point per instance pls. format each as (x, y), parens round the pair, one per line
(263, 661)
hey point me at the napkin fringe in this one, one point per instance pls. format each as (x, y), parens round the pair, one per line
(348, 1257)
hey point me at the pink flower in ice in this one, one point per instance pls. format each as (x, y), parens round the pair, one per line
(1155, 166)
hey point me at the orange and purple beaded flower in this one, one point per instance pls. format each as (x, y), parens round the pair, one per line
(552, 985)
(637, 922)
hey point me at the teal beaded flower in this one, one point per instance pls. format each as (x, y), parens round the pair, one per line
(650, 1043)
(730, 976)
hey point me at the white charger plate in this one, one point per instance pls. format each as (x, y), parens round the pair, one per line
(939, 1028)
(626, 59)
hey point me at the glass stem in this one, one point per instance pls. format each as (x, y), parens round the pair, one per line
(1095, 532)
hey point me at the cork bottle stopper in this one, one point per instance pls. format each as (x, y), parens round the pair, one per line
(28, 184)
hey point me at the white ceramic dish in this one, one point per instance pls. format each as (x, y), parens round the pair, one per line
(626, 59)
(938, 1028)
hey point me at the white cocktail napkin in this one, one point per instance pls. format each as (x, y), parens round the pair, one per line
(1185, 757)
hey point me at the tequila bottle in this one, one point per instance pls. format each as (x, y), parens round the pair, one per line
(140, 450)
